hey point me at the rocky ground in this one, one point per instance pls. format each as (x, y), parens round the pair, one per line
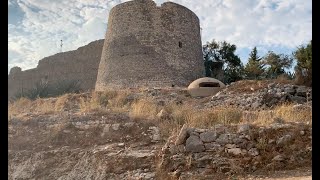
(226, 151)
(262, 98)
(82, 147)
(71, 144)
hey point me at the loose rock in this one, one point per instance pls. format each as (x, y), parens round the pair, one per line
(243, 128)
(253, 152)
(194, 144)
(234, 151)
(182, 135)
(284, 140)
(209, 136)
(278, 158)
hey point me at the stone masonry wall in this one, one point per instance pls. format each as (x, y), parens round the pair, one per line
(148, 45)
(229, 150)
(81, 65)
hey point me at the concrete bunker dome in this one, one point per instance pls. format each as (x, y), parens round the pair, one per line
(205, 86)
(151, 46)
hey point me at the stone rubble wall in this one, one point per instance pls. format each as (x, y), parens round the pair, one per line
(237, 149)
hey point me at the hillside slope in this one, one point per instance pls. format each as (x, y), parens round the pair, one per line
(132, 134)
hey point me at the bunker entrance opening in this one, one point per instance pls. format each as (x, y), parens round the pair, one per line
(209, 84)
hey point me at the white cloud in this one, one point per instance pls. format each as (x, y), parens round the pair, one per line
(246, 23)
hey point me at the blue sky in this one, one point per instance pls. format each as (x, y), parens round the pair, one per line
(35, 27)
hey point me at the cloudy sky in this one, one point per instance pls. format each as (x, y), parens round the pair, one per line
(35, 27)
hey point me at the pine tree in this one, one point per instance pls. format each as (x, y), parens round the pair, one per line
(254, 68)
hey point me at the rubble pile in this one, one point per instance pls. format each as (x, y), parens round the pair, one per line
(265, 98)
(236, 149)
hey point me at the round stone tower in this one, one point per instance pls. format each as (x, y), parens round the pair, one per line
(150, 46)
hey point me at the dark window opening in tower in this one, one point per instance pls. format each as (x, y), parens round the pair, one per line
(180, 44)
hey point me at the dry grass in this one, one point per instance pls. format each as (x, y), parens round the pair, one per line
(24, 106)
(286, 112)
(115, 101)
(62, 102)
(19, 106)
(185, 114)
(38, 106)
(246, 85)
(124, 101)
(202, 118)
(291, 113)
(44, 106)
(283, 79)
(144, 108)
(119, 100)
(90, 103)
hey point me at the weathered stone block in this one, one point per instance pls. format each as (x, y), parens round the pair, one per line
(209, 136)
(194, 144)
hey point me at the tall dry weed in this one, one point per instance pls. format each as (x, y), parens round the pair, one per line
(186, 114)
(144, 108)
(285, 112)
(90, 103)
(22, 105)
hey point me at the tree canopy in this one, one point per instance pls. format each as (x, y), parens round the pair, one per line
(254, 67)
(220, 58)
(303, 69)
(276, 64)
(221, 52)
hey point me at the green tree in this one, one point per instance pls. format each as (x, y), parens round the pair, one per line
(303, 69)
(254, 67)
(234, 73)
(208, 65)
(276, 64)
(221, 52)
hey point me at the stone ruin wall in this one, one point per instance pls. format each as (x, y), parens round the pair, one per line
(236, 149)
(142, 46)
(79, 65)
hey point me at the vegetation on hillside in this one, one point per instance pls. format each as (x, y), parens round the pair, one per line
(303, 70)
(270, 66)
(224, 53)
(146, 108)
(254, 68)
(45, 89)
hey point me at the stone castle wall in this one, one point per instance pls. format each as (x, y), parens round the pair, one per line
(150, 45)
(78, 65)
